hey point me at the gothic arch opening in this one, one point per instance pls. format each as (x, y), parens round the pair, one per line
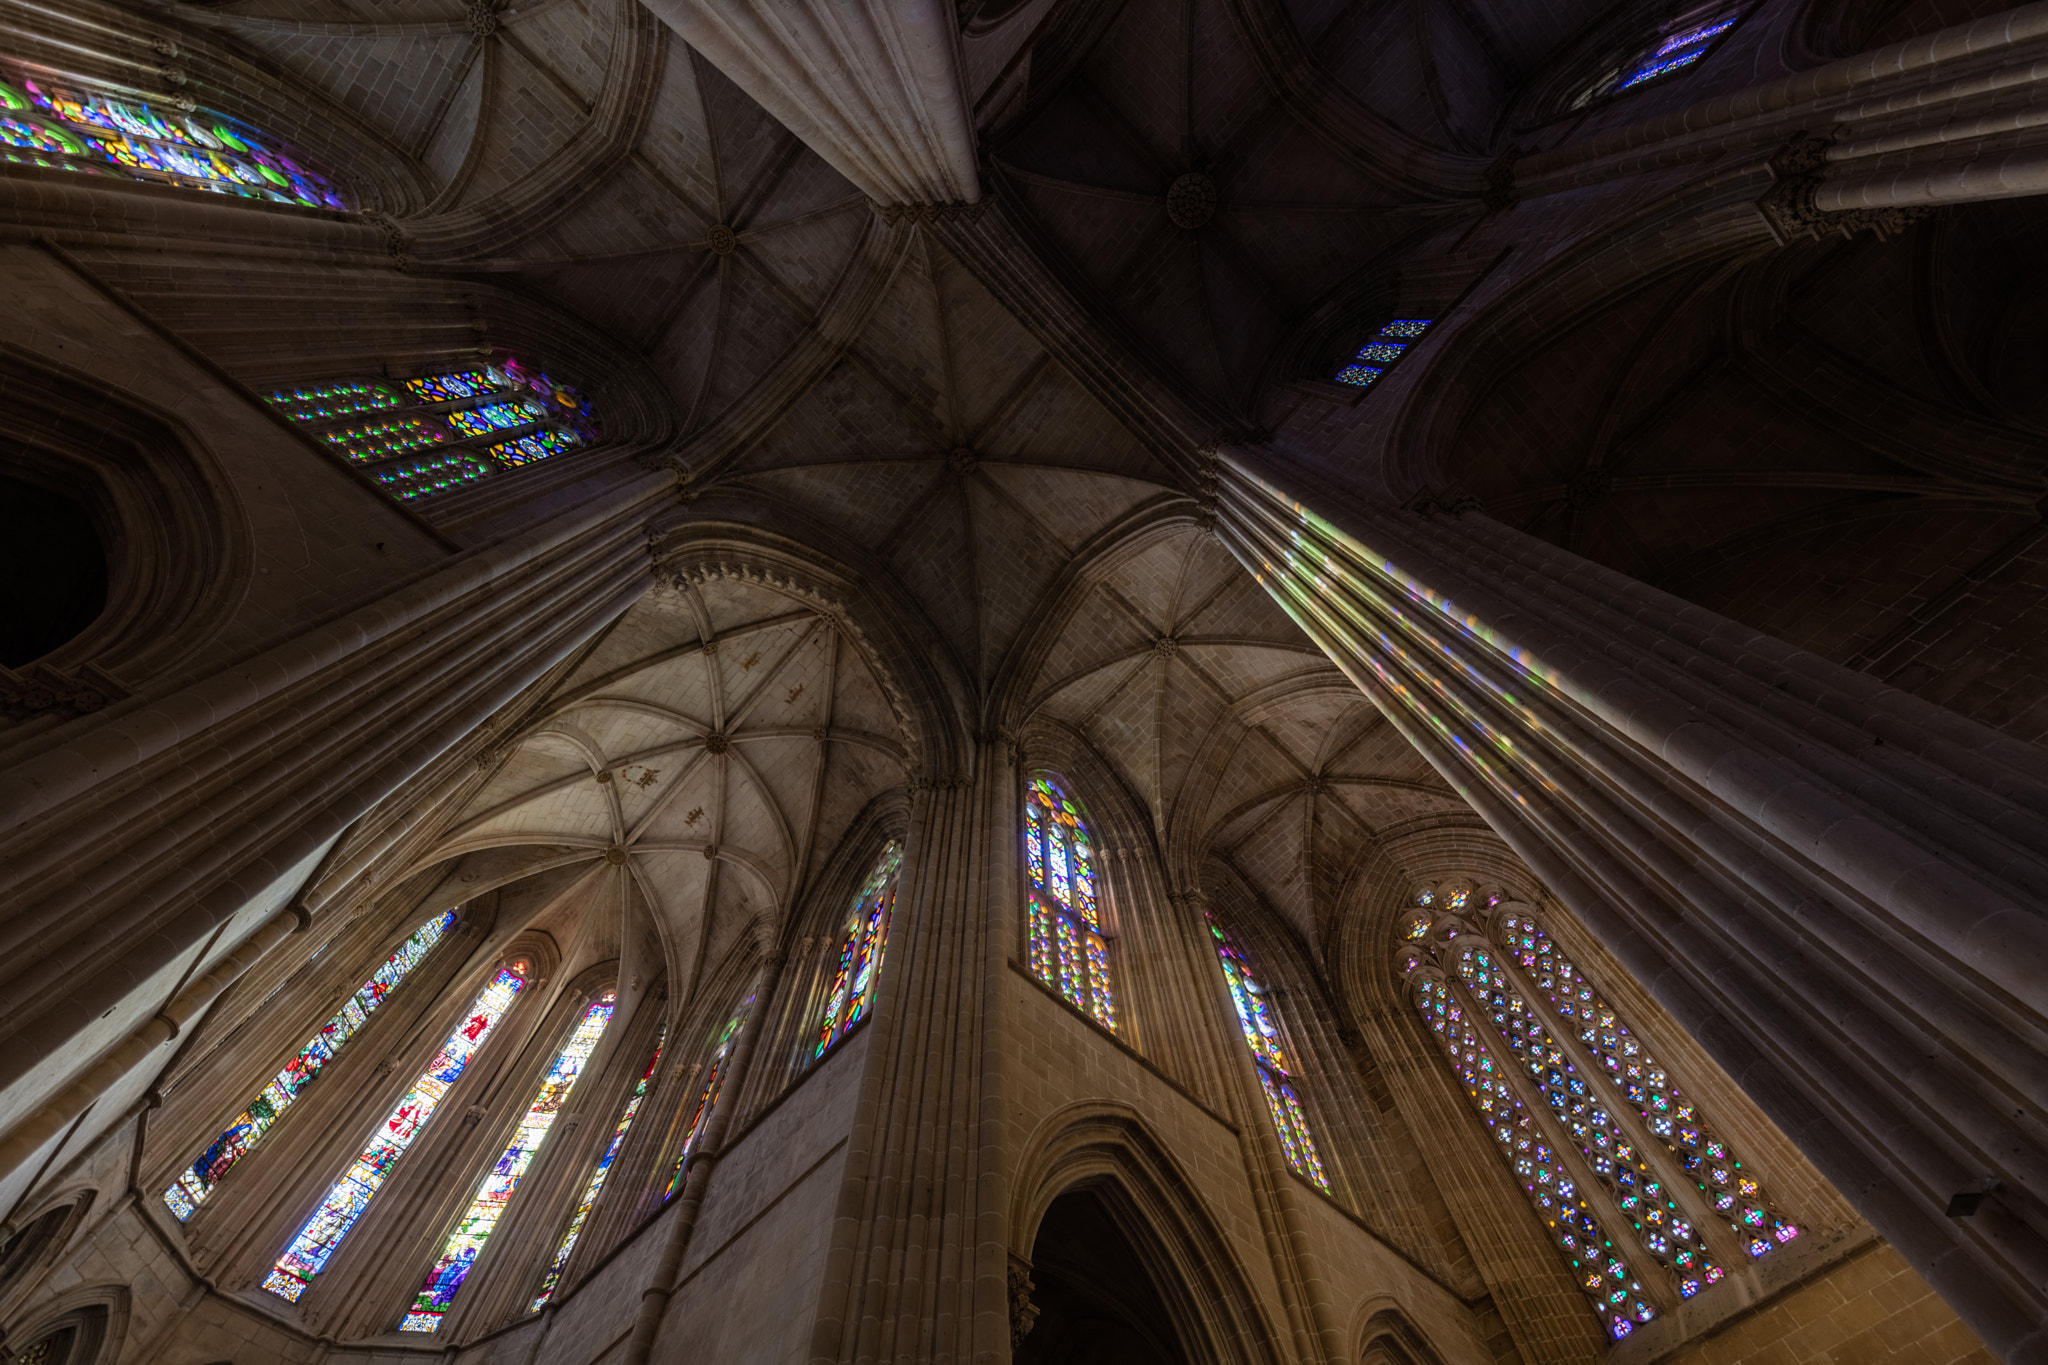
(1096, 1303)
(53, 571)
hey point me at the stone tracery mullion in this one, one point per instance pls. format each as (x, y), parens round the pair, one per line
(1704, 1217)
(1512, 1072)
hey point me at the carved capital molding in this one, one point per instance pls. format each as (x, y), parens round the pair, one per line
(1023, 1312)
(40, 690)
(1791, 206)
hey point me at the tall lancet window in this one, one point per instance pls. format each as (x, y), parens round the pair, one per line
(1261, 1026)
(1627, 1214)
(1678, 43)
(1068, 950)
(466, 1243)
(194, 1184)
(551, 1278)
(713, 1081)
(1642, 1087)
(852, 991)
(309, 1252)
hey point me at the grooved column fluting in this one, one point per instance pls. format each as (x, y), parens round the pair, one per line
(1838, 889)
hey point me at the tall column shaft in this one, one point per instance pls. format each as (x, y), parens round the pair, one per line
(1837, 888)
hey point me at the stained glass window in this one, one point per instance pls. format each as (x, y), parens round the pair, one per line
(54, 1349)
(192, 1186)
(1261, 1029)
(309, 1251)
(1647, 1089)
(1068, 950)
(852, 992)
(1378, 355)
(466, 1243)
(552, 1277)
(707, 1093)
(1533, 1071)
(1678, 44)
(433, 433)
(61, 124)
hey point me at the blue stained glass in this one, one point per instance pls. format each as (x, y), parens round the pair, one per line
(1361, 375)
(308, 1253)
(194, 1184)
(1405, 327)
(1387, 351)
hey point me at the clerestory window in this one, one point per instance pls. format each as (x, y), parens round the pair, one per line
(487, 1209)
(308, 1253)
(1638, 1194)
(247, 1128)
(1677, 44)
(1383, 352)
(1259, 1021)
(851, 993)
(714, 1072)
(61, 122)
(438, 432)
(1069, 951)
(551, 1278)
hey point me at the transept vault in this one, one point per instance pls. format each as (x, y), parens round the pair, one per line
(1288, 681)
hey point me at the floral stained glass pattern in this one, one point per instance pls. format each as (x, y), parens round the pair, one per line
(852, 992)
(435, 433)
(551, 1278)
(1262, 1035)
(309, 1251)
(1597, 1264)
(715, 1068)
(1378, 355)
(1671, 1118)
(62, 125)
(1068, 949)
(1658, 1222)
(190, 1189)
(467, 1242)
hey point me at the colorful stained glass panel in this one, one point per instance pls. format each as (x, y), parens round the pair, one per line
(1262, 1035)
(467, 1242)
(194, 1184)
(551, 1278)
(852, 991)
(707, 1094)
(1067, 948)
(316, 1242)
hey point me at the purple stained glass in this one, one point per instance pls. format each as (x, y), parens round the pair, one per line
(194, 1184)
(308, 1253)
(467, 1242)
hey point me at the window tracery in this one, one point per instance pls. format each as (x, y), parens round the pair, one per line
(433, 433)
(486, 1210)
(64, 123)
(1380, 354)
(852, 992)
(715, 1068)
(1621, 1213)
(246, 1129)
(1068, 949)
(1716, 1172)
(551, 1278)
(308, 1253)
(1678, 43)
(1261, 1027)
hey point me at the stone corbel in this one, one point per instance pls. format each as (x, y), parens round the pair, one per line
(39, 690)
(1790, 206)
(1023, 1312)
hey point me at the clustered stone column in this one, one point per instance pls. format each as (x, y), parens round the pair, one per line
(1837, 888)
